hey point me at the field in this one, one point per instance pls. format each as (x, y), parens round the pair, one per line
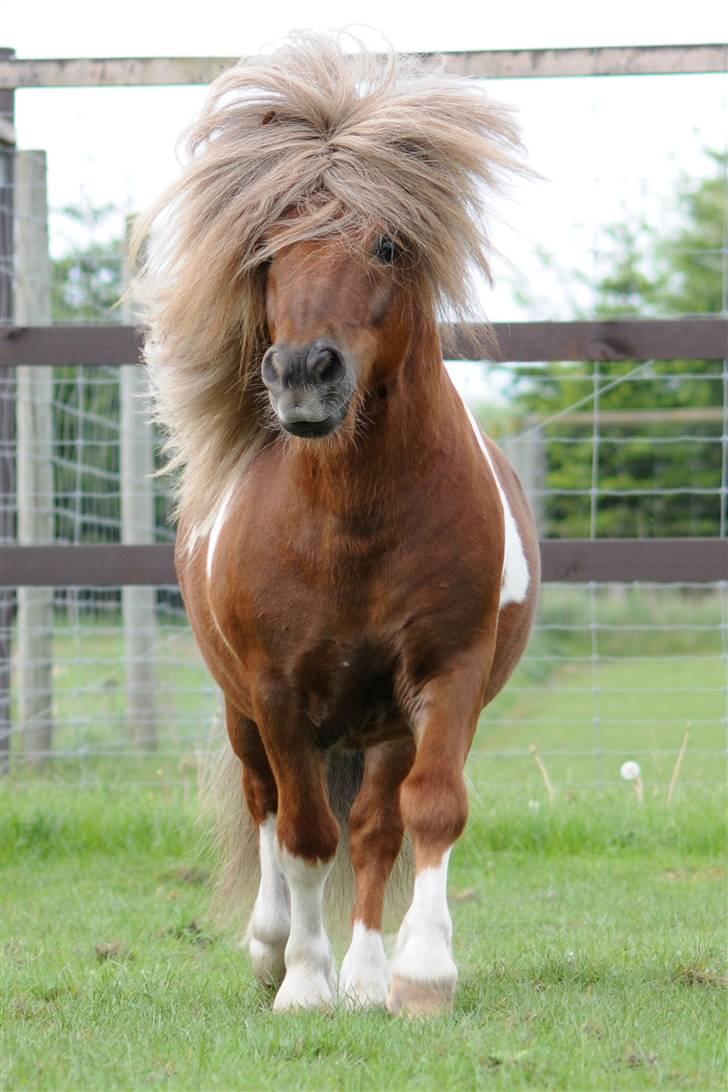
(589, 931)
(589, 936)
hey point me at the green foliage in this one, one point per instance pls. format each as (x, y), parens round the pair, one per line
(675, 274)
(679, 273)
(87, 280)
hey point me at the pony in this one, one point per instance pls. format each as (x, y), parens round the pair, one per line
(358, 562)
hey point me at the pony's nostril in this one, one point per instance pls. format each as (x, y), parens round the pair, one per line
(268, 369)
(325, 365)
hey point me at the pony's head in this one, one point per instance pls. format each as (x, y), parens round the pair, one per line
(338, 326)
(328, 199)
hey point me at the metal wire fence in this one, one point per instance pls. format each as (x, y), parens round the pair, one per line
(612, 672)
(107, 683)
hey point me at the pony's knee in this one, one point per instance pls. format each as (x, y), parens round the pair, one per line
(434, 804)
(309, 837)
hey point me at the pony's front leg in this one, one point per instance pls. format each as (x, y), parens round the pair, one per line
(307, 836)
(375, 841)
(434, 806)
(269, 925)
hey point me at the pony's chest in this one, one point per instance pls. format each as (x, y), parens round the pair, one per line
(346, 688)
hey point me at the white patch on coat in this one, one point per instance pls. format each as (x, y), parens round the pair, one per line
(197, 534)
(216, 529)
(270, 921)
(516, 577)
(203, 528)
(364, 977)
(310, 981)
(423, 950)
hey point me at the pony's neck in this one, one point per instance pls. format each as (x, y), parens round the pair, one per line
(400, 428)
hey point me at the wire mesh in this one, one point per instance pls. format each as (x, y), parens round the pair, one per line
(635, 449)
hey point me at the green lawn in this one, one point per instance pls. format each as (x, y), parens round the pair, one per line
(589, 934)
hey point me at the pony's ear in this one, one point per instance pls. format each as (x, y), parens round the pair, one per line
(268, 117)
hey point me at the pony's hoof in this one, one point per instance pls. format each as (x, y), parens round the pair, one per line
(365, 992)
(364, 976)
(420, 999)
(304, 991)
(268, 961)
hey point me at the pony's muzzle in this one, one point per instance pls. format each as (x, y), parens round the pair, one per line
(309, 387)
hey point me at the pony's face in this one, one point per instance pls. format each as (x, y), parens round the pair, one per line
(337, 323)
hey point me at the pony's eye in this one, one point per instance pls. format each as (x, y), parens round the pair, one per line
(386, 250)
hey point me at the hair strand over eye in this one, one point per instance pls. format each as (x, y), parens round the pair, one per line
(386, 250)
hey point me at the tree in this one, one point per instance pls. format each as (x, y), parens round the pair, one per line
(87, 280)
(656, 478)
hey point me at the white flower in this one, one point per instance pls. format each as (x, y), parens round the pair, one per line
(630, 771)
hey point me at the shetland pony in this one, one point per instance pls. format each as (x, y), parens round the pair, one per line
(358, 562)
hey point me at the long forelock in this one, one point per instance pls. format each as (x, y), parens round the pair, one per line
(308, 143)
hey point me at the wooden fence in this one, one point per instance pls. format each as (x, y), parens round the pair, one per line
(43, 346)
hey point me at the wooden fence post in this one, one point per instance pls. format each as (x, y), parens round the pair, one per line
(34, 456)
(7, 396)
(139, 604)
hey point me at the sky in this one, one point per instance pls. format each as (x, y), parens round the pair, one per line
(182, 27)
(607, 149)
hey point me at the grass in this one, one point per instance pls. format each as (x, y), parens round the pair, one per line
(586, 721)
(589, 932)
(589, 937)
(610, 676)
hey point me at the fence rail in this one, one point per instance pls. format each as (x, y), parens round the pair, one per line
(704, 338)
(605, 560)
(493, 64)
(587, 639)
(570, 561)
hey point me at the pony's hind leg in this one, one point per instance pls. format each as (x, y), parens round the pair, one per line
(269, 925)
(375, 841)
(434, 807)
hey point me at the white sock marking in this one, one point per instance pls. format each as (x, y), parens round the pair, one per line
(310, 980)
(423, 946)
(516, 577)
(270, 921)
(364, 977)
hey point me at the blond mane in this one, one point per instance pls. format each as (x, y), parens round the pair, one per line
(352, 143)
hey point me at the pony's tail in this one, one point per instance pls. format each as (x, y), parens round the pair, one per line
(236, 841)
